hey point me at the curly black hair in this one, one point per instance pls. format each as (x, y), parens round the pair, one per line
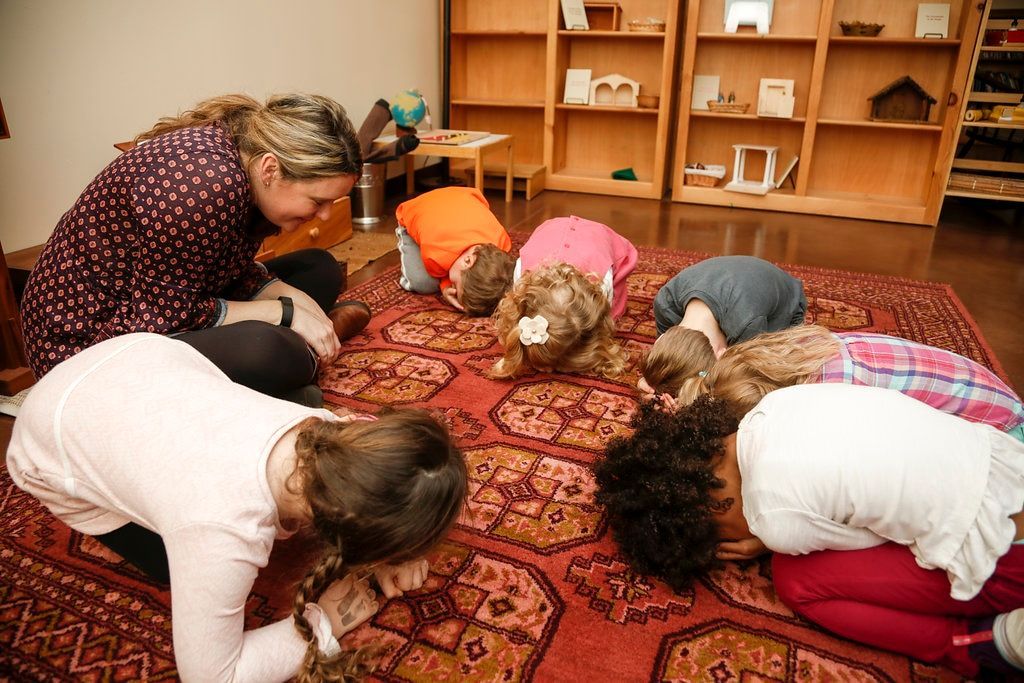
(657, 483)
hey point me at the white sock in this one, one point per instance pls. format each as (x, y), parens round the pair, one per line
(1008, 635)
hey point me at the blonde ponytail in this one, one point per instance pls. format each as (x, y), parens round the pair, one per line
(310, 135)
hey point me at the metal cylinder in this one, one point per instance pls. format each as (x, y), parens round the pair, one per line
(368, 195)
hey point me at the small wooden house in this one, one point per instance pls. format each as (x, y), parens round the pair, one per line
(614, 90)
(901, 100)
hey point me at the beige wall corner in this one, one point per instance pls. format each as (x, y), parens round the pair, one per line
(76, 77)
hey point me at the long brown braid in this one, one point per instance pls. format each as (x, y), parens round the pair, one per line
(384, 490)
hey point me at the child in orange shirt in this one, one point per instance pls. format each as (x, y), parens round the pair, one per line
(450, 242)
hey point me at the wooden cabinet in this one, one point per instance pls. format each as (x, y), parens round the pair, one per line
(988, 162)
(507, 70)
(312, 234)
(14, 372)
(848, 164)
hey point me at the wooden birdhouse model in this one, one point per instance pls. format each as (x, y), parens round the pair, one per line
(901, 100)
(614, 90)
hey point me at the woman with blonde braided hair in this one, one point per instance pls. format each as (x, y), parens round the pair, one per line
(569, 287)
(196, 499)
(811, 354)
(164, 240)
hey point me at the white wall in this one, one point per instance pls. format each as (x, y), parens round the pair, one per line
(77, 76)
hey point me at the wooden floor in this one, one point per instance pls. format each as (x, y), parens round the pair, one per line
(977, 247)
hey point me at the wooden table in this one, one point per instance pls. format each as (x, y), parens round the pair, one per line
(474, 150)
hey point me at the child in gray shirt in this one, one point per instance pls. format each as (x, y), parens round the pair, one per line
(711, 305)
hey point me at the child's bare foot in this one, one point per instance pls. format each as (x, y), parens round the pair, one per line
(348, 603)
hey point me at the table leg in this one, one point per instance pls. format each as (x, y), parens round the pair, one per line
(508, 175)
(478, 168)
(410, 174)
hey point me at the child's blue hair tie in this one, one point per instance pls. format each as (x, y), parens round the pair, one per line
(702, 373)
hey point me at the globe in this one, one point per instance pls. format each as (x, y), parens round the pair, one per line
(408, 108)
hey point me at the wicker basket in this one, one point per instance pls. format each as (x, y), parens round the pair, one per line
(647, 25)
(703, 177)
(728, 107)
(984, 184)
(860, 28)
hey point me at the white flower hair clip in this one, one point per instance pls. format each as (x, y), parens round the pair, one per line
(533, 330)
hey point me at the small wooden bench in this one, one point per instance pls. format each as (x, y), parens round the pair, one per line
(526, 177)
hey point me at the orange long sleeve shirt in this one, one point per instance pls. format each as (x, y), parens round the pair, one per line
(448, 221)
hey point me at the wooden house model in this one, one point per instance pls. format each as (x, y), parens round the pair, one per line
(901, 100)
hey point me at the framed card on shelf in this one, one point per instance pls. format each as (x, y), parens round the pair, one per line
(932, 20)
(574, 14)
(577, 86)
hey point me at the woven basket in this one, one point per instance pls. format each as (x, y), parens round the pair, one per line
(703, 177)
(648, 25)
(728, 107)
(986, 184)
(860, 28)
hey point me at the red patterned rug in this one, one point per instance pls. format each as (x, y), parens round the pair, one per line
(529, 585)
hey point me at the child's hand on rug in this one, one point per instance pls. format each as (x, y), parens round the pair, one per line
(397, 579)
(450, 295)
(347, 603)
(667, 403)
(743, 549)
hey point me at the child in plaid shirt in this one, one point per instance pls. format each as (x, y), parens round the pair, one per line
(811, 354)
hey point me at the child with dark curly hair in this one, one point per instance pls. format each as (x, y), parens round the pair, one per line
(893, 524)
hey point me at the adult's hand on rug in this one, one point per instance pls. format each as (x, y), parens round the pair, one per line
(347, 602)
(308, 320)
(397, 579)
(743, 549)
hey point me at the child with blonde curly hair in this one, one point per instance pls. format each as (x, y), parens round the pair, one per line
(569, 287)
(811, 354)
(449, 241)
(711, 305)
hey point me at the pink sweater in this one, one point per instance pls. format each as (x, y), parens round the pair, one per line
(143, 428)
(590, 246)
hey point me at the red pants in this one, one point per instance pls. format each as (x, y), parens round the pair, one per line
(880, 596)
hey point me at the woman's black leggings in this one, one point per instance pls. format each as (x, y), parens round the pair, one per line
(271, 359)
(141, 547)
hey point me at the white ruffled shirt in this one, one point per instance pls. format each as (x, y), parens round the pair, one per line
(843, 467)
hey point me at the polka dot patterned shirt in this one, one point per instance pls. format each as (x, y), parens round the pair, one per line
(150, 246)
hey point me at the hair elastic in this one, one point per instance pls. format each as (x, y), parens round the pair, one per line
(533, 330)
(702, 374)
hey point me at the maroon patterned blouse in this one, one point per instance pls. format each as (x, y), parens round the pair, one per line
(150, 246)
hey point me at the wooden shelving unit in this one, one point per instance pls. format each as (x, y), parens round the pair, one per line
(496, 71)
(989, 160)
(848, 164)
(507, 74)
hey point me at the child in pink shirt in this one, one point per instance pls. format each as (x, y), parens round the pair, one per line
(569, 287)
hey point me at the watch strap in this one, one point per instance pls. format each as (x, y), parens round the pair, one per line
(287, 311)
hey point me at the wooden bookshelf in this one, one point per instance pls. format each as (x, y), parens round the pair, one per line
(987, 148)
(507, 68)
(849, 165)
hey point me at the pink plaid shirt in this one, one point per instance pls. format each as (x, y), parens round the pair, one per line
(940, 378)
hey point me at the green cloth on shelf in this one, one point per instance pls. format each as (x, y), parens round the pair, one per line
(624, 174)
